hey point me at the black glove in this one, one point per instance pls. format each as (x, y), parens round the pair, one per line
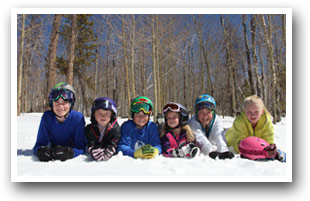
(226, 154)
(45, 154)
(63, 153)
(214, 154)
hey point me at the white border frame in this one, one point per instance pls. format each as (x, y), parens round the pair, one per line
(287, 11)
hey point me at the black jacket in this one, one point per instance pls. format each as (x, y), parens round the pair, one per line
(110, 138)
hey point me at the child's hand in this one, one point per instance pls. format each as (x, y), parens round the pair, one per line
(63, 153)
(146, 151)
(45, 154)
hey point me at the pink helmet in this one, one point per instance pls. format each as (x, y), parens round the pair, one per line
(256, 148)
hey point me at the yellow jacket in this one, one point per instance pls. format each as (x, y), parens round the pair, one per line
(242, 128)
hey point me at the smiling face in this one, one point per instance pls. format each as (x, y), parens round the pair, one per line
(61, 107)
(205, 116)
(140, 119)
(172, 119)
(103, 117)
(253, 113)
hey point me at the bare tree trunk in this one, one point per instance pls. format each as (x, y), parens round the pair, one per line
(133, 88)
(154, 65)
(248, 56)
(52, 53)
(268, 38)
(71, 50)
(198, 26)
(20, 67)
(126, 66)
(262, 69)
(258, 79)
(230, 69)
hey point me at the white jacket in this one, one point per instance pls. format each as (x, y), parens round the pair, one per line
(215, 142)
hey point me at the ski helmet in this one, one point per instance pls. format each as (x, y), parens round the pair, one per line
(63, 90)
(141, 103)
(177, 107)
(256, 148)
(205, 101)
(105, 104)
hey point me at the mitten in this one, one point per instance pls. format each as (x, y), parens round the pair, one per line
(146, 151)
(226, 154)
(213, 154)
(109, 151)
(45, 154)
(63, 153)
(102, 154)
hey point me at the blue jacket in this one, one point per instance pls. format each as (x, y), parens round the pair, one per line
(133, 138)
(69, 133)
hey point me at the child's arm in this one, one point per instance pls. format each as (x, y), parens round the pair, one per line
(79, 138)
(236, 133)
(125, 141)
(42, 136)
(218, 129)
(154, 137)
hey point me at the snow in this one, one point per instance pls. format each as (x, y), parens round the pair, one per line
(124, 168)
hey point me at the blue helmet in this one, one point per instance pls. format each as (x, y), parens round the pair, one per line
(205, 101)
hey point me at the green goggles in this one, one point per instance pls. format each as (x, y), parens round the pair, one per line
(139, 106)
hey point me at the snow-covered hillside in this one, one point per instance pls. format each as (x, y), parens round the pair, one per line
(123, 168)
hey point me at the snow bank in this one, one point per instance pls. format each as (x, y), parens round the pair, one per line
(123, 168)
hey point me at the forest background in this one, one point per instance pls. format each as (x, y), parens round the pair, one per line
(165, 57)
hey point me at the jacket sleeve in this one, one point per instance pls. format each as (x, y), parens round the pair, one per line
(218, 133)
(90, 136)
(43, 138)
(79, 137)
(236, 133)
(154, 137)
(165, 145)
(201, 140)
(125, 141)
(268, 133)
(116, 134)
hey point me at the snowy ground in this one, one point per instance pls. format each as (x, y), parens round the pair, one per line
(123, 168)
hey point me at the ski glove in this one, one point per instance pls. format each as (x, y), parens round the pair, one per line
(223, 155)
(102, 154)
(226, 155)
(63, 153)
(190, 150)
(281, 156)
(213, 154)
(146, 151)
(45, 154)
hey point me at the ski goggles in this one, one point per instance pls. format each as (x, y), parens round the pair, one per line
(270, 151)
(103, 104)
(172, 107)
(204, 104)
(140, 106)
(63, 93)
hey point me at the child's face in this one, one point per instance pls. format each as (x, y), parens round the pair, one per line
(254, 112)
(173, 119)
(140, 119)
(61, 107)
(205, 116)
(103, 117)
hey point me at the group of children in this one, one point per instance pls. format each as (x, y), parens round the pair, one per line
(62, 133)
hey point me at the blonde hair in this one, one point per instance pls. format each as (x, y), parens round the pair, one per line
(255, 100)
(190, 137)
